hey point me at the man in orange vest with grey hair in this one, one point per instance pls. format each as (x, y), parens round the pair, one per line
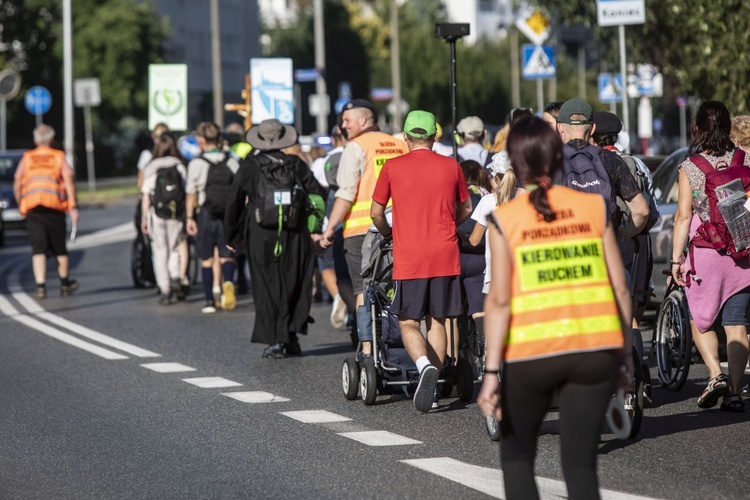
(44, 186)
(361, 162)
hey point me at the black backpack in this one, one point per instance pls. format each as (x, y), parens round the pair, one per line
(168, 197)
(332, 170)
(218, 185)
(640, 179)
(584, 171)
(279, 200)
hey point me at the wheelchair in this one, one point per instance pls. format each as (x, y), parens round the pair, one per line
(673, 340)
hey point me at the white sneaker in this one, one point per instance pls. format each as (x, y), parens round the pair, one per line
(338, 312)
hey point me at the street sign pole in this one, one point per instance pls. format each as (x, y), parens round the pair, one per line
(539, 94)
(3, 131)
(89, 148)
(624, 90)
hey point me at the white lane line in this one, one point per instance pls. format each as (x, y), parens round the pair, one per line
(211, 382)
(168, 367)
(315, 416)
(31, 306)
(7, 308)
(255, 397)
(379, 438)
(724, 364)
(116, 234)
(490, 480)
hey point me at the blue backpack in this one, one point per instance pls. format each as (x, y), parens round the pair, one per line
(583, 170)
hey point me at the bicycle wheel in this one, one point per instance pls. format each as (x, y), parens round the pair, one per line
(674, 342)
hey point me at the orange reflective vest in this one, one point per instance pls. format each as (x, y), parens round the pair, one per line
(42, 183)
(562, 301)
(378, 147)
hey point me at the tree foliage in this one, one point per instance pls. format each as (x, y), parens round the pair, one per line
(700, 46)
(113, 40)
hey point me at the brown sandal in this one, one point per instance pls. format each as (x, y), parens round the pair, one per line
(716, 388)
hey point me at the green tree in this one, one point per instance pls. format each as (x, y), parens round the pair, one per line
(700, 45)
(113, 40)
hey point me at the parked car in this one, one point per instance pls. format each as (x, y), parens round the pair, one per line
(665, 189)
(11, 218)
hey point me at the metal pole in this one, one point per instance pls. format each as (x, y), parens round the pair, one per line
(581, 71)
(68, 83)
(216, 64)
(3, 126)
(454, 92)
(539, 94)
(624, 89)
(298, 107)
(396, 68)
(515, 68)
(683, 126)
(39, 119)
(89, 148)
(320, 64)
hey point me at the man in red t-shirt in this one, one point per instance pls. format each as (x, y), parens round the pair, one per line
(430, 199)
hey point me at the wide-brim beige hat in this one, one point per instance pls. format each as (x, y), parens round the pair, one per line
(271, 134)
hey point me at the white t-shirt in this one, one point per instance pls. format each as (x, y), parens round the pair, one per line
(144, 158)
(481, 215)
(149, 173)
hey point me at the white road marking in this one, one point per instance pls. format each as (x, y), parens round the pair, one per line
(34, 308)
(724, 364)
(315, 416)
(490, 480)
(379, 438)
(168, 367)
(7, 308)
(255, 397)
(211, 382)
(116, 234)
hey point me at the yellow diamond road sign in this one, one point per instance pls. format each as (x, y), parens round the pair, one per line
(535, 25)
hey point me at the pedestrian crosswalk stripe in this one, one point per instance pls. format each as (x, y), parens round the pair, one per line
(379, 438)
(255, 397)
(168, 367)
(211, 382)
(490, 480)
(315, 416)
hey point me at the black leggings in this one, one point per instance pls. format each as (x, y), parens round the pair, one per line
(586, 382)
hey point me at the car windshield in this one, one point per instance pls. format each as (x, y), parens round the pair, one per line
(8, 167)
(665, 177)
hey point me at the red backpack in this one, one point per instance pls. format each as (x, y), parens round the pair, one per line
(727, 188)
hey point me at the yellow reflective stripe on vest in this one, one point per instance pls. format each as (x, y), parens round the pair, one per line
(560, 298)
(361, 205)
(358, 222)
(563, 328)
(559, 263)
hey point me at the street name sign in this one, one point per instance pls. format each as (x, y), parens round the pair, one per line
(620, 12)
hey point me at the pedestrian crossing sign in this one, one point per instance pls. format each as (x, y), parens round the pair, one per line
(538, 61)
(610, 87)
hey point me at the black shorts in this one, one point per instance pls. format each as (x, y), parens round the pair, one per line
(46, 231)
(437, 297)
(472, 279)
(210, 235)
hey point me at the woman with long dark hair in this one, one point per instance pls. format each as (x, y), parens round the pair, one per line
(716, 281)
(555, 317)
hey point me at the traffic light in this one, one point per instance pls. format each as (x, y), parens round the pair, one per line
(245, 109)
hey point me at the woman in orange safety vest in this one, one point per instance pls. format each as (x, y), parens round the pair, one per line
(555, 317)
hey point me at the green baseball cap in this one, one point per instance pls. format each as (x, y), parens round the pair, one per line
(420, 124)
(576, 106)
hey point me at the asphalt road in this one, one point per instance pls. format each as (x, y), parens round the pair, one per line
(106, 394)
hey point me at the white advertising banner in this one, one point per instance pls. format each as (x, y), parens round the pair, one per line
(272, 83)
(167, 95)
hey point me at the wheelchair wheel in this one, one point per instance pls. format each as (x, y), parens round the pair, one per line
(194, 263)
(492, 426)
(674, 342)
(634, 399)
(368, 382)
(350, 378)
(141, 267)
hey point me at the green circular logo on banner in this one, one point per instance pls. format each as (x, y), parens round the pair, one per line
(168, 102)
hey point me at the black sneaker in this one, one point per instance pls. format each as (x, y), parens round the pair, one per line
(165, 299)
(293, 348)
(274, 351)
(67, 290)
(425, 394)
(177, 290)
(40, 292)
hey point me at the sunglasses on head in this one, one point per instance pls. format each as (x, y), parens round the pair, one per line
(518, 113)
